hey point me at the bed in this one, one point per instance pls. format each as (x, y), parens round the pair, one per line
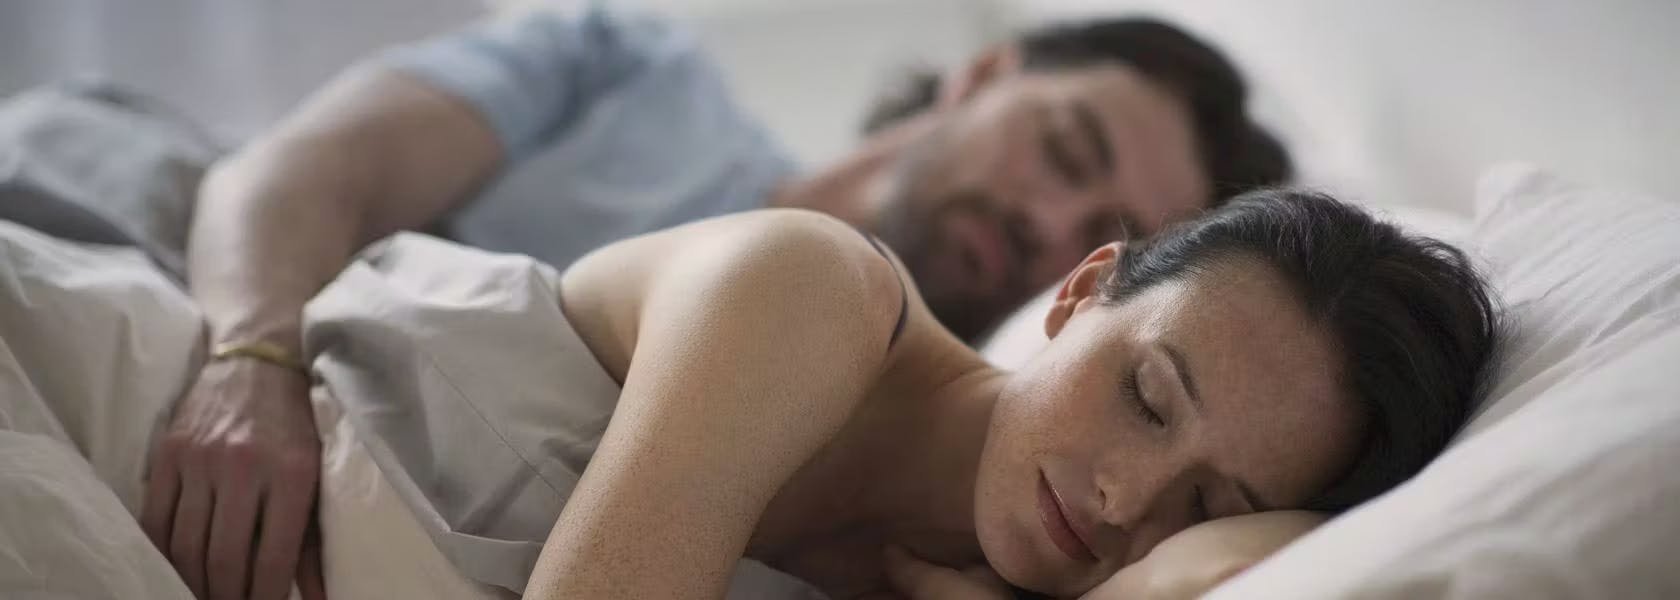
(1562, 486)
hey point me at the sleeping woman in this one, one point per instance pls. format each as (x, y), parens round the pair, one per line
(770, 386)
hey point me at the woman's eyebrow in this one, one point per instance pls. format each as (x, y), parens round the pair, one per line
(1183, 367)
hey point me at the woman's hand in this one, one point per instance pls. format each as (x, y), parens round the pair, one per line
(915, 579)
(1196, 560)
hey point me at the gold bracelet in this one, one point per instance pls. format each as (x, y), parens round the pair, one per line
(268, 352)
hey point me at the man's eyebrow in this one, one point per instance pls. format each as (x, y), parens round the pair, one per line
(1252, 498)
(1091, 125)
(1183, 368)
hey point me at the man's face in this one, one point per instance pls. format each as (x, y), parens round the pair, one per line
(1019, 179)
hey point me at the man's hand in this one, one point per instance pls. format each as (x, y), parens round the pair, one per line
(915, 579)
(231, 485)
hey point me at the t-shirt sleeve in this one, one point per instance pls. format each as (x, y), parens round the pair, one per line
(534, 72)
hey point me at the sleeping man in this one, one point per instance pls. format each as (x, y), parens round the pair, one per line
(771, 388)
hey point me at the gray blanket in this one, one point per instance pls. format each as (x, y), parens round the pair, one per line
(93, 163)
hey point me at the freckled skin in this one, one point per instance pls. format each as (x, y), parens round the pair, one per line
(1266, 376)
(764, 415)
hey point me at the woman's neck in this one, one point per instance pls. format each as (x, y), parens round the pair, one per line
(921, 438)
(901, 472)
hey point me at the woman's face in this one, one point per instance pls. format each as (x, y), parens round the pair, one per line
(1201, 398)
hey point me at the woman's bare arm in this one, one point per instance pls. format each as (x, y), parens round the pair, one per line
(1194, 561)
(754, 338)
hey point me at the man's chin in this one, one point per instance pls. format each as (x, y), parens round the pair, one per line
(968, 320)
(969, 315)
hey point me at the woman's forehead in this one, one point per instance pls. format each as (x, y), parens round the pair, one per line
(1268, 376)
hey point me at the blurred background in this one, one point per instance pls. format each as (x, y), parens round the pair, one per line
(807, 67)
(1387, 102)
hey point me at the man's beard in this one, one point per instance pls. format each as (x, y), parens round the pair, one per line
(912, 226)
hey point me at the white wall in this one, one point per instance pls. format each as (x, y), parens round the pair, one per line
(1404, 102)
(808, 67)
(235, 64)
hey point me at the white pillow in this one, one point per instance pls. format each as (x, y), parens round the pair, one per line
(1020, 336)
(1564, 485)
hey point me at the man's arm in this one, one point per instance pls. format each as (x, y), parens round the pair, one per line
(396, 144)
(374, 153)
(391, 145)
(231, 486)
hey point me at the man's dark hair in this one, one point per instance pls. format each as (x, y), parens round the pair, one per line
(1236, 153)
(1411, 316)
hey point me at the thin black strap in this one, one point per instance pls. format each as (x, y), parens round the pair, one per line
(903, 295)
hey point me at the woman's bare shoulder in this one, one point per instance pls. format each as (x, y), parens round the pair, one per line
(771, 248)
(756, 264)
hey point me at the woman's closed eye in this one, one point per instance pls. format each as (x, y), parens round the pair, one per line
(1133, 393)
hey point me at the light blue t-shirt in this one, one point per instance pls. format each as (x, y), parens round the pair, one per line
(613, 124)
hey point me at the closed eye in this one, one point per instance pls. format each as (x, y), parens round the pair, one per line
(1198, 506)
(1062, 161)
(1134, 394)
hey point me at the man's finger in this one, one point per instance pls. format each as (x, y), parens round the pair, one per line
(286, 514)
(310, 582)
(157, 509)
(189, 532)
(232, 524)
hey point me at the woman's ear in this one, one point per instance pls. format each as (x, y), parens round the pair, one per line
(1081, 286)
(958, 86)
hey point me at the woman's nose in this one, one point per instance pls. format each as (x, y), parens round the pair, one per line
(1150, 507)
(1129, 495)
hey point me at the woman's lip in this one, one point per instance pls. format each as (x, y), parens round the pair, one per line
(1056, 524)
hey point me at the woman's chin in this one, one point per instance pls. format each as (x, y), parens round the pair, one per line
(1010, 558)
(1020, 564)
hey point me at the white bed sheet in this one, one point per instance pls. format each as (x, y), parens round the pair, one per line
(94, 346)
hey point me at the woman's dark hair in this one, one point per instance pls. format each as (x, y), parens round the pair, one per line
(1412, 318)
(1235, 152)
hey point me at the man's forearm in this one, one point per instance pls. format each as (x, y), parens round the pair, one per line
(274, 224)
(373, 153)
